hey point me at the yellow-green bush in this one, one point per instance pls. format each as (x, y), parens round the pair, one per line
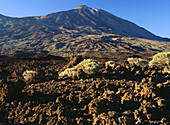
(28, 74)
(137, 61)
(70, 72)
(89, 66)
(110, 63)
(161, 59)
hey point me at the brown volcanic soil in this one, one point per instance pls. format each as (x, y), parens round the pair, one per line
(127, 94)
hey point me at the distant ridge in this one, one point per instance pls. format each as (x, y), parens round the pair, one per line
(39, 32)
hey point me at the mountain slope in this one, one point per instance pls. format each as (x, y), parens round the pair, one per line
(80, 19)
(98, 19)
(47, 33)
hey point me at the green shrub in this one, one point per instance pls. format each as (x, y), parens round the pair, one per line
(89, 66)
(28, 74)
(70, 72)
(110, 63)
(161, 59)
(137, 61)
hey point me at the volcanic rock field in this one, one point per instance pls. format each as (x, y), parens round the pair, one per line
(126, 94)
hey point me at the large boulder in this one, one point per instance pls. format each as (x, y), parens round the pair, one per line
(74, 60)
(166, 69)
(81, 74)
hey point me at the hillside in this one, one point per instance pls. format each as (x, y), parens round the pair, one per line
(76, 28)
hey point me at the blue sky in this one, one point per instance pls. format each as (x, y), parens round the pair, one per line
(153, 15)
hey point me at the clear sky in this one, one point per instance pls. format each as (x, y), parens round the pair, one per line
(153, 15)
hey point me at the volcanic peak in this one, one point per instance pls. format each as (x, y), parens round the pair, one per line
(92, 10)
(82, 7)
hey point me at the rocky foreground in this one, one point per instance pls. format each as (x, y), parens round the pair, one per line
(126, 94)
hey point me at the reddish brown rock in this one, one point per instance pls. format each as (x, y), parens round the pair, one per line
(126, 95)
(81, 74)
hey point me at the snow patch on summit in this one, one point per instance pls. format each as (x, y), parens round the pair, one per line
(93, 10)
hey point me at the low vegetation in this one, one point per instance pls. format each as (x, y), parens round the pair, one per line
(70, 72)
(111, 64)
(124, 95)
(161, 59)
(89, 66)
(28, 74)
(137, 61)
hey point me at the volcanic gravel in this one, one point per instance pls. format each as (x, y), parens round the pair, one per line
(127, 94)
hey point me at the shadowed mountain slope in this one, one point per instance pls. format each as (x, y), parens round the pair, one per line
(39, 33)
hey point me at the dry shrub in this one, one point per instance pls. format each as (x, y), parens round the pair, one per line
(28, 74)
(161, 59)
(137, 61)
(89, 66)
(70, 72)
(111, 64)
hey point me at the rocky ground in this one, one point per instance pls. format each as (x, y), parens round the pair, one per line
(126, 94)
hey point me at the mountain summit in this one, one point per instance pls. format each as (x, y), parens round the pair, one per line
(82, 7)
(97, 21)
(83, 20)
